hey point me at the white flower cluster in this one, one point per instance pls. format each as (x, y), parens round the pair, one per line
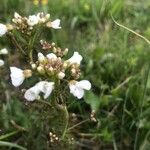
(51, 65)
(25, 23)
(3, 51)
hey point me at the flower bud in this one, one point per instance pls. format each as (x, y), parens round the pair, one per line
(41, 58)
(27, 73)
(66, 51)
(47, 16)
(65, 65)
(61, 75)
(40, 69)
(33, 66)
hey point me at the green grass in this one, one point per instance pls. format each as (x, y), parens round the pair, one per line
(116, 61)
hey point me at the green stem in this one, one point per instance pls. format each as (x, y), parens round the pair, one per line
(141, 108)
(78, 124)
(30, 46)
(15, 43)
(9, 144)
(44, 102)
(66, 117)
(9, 134)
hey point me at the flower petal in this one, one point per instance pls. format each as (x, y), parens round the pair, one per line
(3, 51)
(32, 93)
(56, 24)
(1, 62)
(51, 56)
(3, 29)
(77, 92)
(17, 76)
(41, 57)
(84, 84)
(33, 20)
(46, 88)
(76, 58)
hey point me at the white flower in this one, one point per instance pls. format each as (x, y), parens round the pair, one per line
(41, 57)
(32, 93)
(54, 24)
(46, 88)
(1, 62)
(42, 86)
(17, 76)
(51, 56)
(33, 20)
(3, 51)
(3, 29)
(61, 75)
(16, 15)
(77, 88)
(43, 18)
(76, 58)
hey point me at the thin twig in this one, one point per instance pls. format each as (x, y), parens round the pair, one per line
(78, 124)
(132, 31)
(16, 43)
(44, 102)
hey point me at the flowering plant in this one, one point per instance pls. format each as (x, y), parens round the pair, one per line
(54, 72)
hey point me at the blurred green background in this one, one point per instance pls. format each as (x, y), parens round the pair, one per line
(116, 62)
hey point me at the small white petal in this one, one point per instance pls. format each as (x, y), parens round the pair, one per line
(33, 20)
(77, 92)
(46, 88)
(4, 51)
(16, 15)
(1, 62)
(56, 24)
(32, 93)
(17, 76)
(76, 58)
(3, 29)
(84, 84)
(51, 56)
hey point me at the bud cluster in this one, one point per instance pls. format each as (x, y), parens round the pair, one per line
(53, 137)
(52, 47)
(26, 24)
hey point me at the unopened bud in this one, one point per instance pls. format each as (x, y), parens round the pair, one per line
(47, 16)
(54, 49)
(61, 75)
(33, 66)
(41, 58)
(65, 65)
(51, 69)
(53, 44)
(27, 73)
(40, 69)
(73, 70)
(9, 27)
(56, 138)
(66, 51)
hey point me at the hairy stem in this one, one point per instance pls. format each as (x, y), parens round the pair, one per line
(15, 43)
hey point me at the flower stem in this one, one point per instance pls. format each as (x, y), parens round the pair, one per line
(44, 102)
(9, 134)
(66, 115)
(15, 43)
